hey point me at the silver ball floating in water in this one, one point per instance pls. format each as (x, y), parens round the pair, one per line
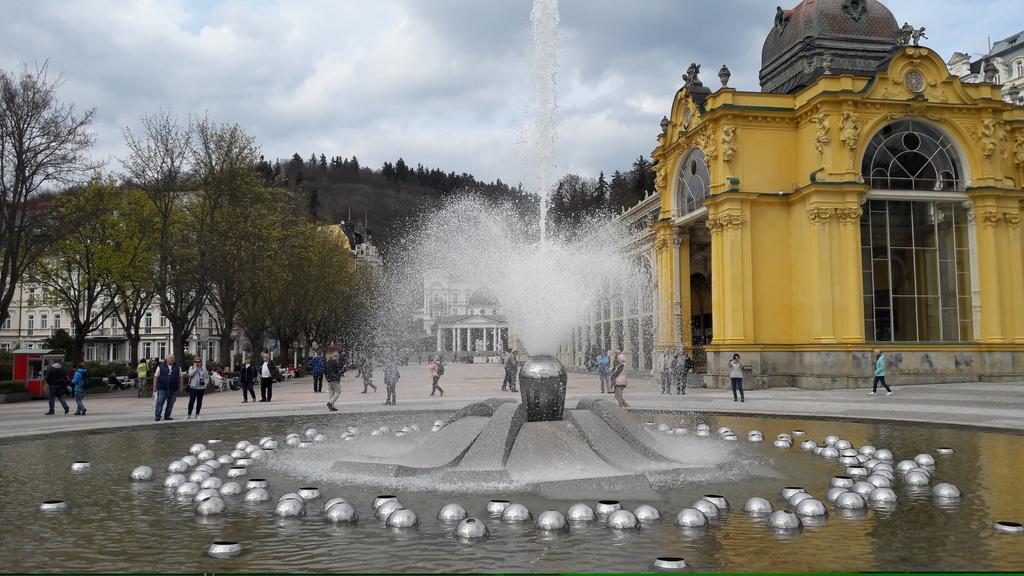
(141, 474)
(214, 441)
(212, 482)
(817, 450)
(241, 444)
(320, 438)
(515, 513)
(236, 471)
(834, 493)
(916, 478)
(849, 461)
(53, 506)
(709, 509)
(882, 496)
(402, 518)
(606, 507)
(292, 441)
(784, 520)
(857, 472)
(879, 481)
(883, 454)
(757, 506)
(784, 436)
(788, 491)
(850, 501)
(187, 489)
(924, 460)
(382, 499)
(239, 454)
(831, 439)
(400, 434)
(551, 521)
(224, 549)
(724, 430)
(882, 467)
(243, 462)
(310, 433)
(811, 507)
(944, 450)
(829, 452)
(871, 463)
(341, 513)
(385, 509)
(256, 483)
(867, 450)
(844, 445)
(198, 476)
(718, 500)
(196, 448)
(864, 488)
(846, 452)
(309, 493)
(206, 455)
(663, 427)
(175, 480)
(471, 529)
(691, 518)
(703, 433)
(289, 508)
(1009, 527)
(230, 489)
(924, 471)
(177, 467)
(669, 563)
(269, 444)
(205, 493)
(206, 467)
(799, 497)
(891, 477)
(622, 520)
(226, 459)
(496, 507)
(257, 495)
(945, 490)
(80, 466)
(904, 466)
(212, 506)
(808, 445)
(842, 482)
(376, 432)
(452, 513)
(332, 502)
(862, 458)
(727, 437)
(646, 513)
(190, 460)
(755, 436)
(782, 444)
(581, 512)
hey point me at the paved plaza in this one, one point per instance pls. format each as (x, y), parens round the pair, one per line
(982, 404)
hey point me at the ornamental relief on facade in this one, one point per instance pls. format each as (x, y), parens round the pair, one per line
(818, 215)
(706, 143)
(849, 216)
(991, 135)
(849, 133)
(1018, 151)
(728, 143)
(725, 222)
(822, 136)
(1013, 219)
(990, 218)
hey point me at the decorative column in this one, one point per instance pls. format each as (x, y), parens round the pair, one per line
(439, 340)
(821, 287)
(1015, 253)
(666, 297)
(851, 293)
(732, 296)
(988, 219)
(683, 304)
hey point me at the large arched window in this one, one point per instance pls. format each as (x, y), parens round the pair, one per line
(693, 182)
(912, 155)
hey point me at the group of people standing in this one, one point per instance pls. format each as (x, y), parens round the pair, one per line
(611, 370)
(675, 369)
(332, 365)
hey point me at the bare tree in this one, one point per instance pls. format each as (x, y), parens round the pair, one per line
(43, 144)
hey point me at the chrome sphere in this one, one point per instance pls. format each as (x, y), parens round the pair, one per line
(435, 428)
(402, 518)
(755, 436)
(1009, 527)
(862, 458)
(944, 450)
(811, 507)
(884, 474)
(224, 549)
(606, 507)
(709, 509)
(310, 433)
(190, 460)
(243, 462)
(226, 459)
(850, 501)
(834, 493)
(387, 508)
(916, 478)
(384, 428)
(332, 502)
(945, 490)
(212, 482)
(622, 520)
(249, 449)
(257, 495)
(849, 461)
(718, 500)
(848, 452)
(374, 432)
(293, 496)
(177, 467)
(871, 463)
(884, 454)
(236, 471)
(829, 452)
(211, 465)
(214, 441)
(141, 474)
(241, 444)
(663, 427)
(857, 472)
(844, 445)
(198, 476)
(290, 507)
(581, 512)
(646, 513)
(784, 520)
(879, 481)
(552, 521)
(808, 445)
(882, 495)
(320, 438)
(230, 489)
(211, 506)
(186, 489)
(882, 467)
(382, 499)
(784, 436)
(924, 460)
(867, 450)
(196, 448)
(515, 513)
(341, 512)
(783, 444)
(924, 471)
(691, 518)
(53, 506)
(799, 497)
(702, 433)
(80, 466)
(204, 467)
(239, 454)
(703, 427)
(206, 455)
(309, 493)
(452, 513)
(293, 441)
(729, 437)
(758, 506)
(842, 482)
(256, 483)
(788, 491)
(864, 488)
(496, 507)
(817, 450)
(831, 440)
(269, 444)
(175, 480)
(471, 529)
(724, 430)
(305, 444)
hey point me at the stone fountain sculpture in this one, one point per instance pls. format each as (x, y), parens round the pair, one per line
(542, 383)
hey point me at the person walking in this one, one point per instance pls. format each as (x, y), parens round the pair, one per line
(141, 373)
(667, 362)
(604, 372)
(316, 367)
(79, 382)
(511, 371)
(683, 367)
(736, 376)
(391, 376)
(197, 379)
(332, 371)
(247, 377)
(268, 374)
(619, 381)
(879, 375)
(366, 372)
(166, 381)
(436, 369)
(56, 379)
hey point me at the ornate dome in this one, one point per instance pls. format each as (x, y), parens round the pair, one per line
(843, 36)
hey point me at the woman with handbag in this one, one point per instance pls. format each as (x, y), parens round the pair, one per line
(619, 381)
(197, 379)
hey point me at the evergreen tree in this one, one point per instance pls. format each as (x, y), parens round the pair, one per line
(323, 162)
(600, 200)
(401, 170)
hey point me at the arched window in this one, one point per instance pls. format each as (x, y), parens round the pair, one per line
(693, 183)
(1018, 67)
(912, 155)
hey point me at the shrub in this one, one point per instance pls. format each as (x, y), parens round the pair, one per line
(95, 383)
(11, 387)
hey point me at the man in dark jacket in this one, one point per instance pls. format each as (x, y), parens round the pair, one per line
(247, 377)
(166, 381)
(56, 378)
(316, 366)
(268, 373)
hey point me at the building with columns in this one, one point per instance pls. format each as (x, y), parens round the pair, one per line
(463, 316)
(865, 198)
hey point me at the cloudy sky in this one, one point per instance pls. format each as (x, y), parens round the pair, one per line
(442, 82)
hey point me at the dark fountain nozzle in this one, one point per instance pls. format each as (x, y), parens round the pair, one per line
(542, 383)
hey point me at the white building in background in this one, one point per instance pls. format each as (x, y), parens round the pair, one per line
(1004, 64)
(462, 316)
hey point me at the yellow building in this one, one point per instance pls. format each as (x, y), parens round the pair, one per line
(864, 199)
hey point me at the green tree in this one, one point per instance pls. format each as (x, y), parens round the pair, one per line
(134, 265)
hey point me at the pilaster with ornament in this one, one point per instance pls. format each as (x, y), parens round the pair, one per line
(1015, 254)
(728, 143)
(822, 135)
(849, 135)
(731, 263)
(663, 247)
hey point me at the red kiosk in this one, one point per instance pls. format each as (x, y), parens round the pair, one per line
(29, 366)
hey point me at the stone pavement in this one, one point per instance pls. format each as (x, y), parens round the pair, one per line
(983, 404)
